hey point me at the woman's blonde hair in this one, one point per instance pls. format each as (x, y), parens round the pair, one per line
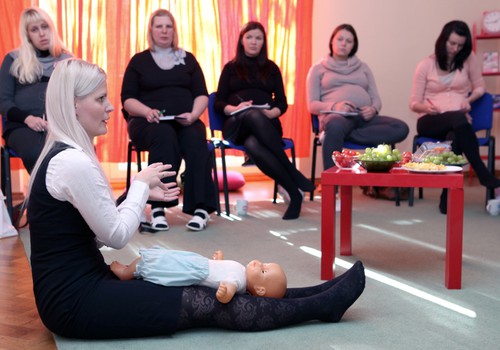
(72, 78)
(162, 13)
(26, 67)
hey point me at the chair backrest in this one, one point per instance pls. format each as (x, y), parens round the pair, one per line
(482, 113)
(315, 123)
(215, 120)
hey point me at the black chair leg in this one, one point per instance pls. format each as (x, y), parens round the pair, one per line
(129, 164)
(216, 181)
(224, 179)
(7, 182)
(313, 167)
(490, 192)
(275, 192)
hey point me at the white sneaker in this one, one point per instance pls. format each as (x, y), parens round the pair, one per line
(493, 207)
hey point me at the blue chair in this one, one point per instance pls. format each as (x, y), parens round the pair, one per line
(482, 121)
(216, 124)
(347, 144)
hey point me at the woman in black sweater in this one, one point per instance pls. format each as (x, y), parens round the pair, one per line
(165, 80)
(252, 79)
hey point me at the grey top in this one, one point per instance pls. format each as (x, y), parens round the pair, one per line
(17, 101)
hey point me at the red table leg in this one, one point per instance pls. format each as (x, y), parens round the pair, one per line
(454, 238)
(327, 232)
(345, 220)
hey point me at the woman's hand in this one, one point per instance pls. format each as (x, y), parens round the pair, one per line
(465, 106)
(186, 119)
(153, 115)
(36, 123)
(230, 108)
(244, 104)
(165, 192)
(344, 106)
(368, 112)
(430, 108)
(272, 113)
(154, 173)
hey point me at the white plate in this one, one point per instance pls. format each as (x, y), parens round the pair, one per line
(449, 169)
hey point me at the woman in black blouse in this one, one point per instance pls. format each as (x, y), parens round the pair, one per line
(252, 79)
(165, 80)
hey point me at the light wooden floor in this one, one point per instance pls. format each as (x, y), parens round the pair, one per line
(20, 325)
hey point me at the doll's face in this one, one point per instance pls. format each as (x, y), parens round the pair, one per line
(252, 42)
(39, 34)
(265, 279)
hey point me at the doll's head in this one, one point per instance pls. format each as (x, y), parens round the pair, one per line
(265, 279)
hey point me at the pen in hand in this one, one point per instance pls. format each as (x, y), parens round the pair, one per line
(433, 106)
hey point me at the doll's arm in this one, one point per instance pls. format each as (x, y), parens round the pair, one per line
(226, 292)
(218, 255)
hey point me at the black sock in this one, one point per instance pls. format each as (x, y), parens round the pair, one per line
(308, 291)
(293, 210)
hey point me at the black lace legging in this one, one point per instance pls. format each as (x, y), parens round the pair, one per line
(325, 302)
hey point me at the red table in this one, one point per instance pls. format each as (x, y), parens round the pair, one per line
(346, 179)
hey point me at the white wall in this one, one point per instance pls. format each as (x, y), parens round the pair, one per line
(394, 35)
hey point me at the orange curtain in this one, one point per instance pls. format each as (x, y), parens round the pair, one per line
(109, 32)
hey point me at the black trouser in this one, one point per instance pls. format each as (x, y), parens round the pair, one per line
(27, 143)
(169, 142)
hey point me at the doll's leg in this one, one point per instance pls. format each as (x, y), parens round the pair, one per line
(248, 313)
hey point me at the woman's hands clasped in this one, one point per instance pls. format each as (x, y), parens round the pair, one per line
(159, 191)
(36, 123)
(153, 116)
(366, 112)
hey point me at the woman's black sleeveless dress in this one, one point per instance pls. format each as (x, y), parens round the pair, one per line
(76, 294)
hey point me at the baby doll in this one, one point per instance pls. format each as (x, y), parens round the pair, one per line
(182, 268)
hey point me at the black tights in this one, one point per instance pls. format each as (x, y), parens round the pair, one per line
(262, 140)
(455, 127)
(325, 302)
